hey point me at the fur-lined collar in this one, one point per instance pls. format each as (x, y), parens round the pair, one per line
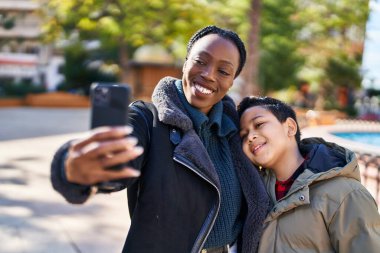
(172, 112)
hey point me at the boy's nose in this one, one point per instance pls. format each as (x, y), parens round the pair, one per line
(252, 136)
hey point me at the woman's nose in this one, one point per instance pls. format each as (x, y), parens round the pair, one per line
(208, 72)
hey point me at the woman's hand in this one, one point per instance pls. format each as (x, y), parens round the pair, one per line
(88, 159)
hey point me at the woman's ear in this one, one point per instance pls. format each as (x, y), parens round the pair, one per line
(292, 127)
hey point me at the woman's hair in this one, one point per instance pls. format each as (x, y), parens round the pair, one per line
(279, 109)
(226, 34)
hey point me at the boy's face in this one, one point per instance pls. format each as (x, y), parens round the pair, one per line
(266, 141)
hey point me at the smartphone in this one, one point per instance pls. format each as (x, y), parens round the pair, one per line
(109, 104)
(109, 107)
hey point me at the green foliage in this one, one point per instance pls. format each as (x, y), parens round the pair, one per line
(279, 61)
(123, 25)
(126, 22)
(79, 72)
(373, 92)
(7, 21)
(297, 38)
(343, 71)
(331, 28)
(19, 89)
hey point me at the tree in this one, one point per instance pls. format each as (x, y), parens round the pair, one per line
(272, 59)
(125, 24)
(251, 71)
(82, 68)
(331, 28)
(7, 20)
(332, 40)
(279, 59)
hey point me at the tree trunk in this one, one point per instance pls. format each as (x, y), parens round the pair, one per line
(250, 73)
(123, 61)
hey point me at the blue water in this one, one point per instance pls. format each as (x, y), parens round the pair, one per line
(362, 137)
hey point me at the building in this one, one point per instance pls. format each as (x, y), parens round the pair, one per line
(371, 56)
(23, 58)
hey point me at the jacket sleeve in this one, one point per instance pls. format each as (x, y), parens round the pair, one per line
(356, 224)
(78, 194)
(73, 193)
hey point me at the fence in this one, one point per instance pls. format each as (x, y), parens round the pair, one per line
(369, 165)
(368, 108)
(368, 155)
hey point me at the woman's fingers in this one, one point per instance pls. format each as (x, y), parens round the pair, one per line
(109, 175)
(88, 159)
(106, 148)
(103, 134)
(121, 157)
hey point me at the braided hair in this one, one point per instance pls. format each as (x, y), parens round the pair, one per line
(224, 33)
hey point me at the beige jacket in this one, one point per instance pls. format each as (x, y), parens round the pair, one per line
(326, 210)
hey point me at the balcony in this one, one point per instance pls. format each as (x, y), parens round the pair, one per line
(19, 5)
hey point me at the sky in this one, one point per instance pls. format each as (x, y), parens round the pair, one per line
(371, 56)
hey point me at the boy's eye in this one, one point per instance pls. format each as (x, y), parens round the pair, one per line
(258, 125)
(223, 72)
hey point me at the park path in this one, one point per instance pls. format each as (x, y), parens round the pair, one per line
(33, 217)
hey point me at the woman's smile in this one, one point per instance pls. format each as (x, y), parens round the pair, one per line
(202, 89)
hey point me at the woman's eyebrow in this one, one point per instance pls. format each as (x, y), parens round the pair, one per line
(209, 55)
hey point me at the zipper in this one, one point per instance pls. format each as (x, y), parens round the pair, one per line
(200, 241)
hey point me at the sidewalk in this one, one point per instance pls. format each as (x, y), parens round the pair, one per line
(33, 217)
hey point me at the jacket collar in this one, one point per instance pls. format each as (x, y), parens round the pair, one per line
(200, 120)
(171, 110)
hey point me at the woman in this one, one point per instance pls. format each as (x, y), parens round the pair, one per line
(320, 204)
(192, 189)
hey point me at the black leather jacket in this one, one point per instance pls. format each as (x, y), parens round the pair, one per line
(174, 203)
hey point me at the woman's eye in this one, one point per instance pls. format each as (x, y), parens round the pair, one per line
(200, 62)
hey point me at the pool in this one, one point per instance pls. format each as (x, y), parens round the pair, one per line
(371, 138)
(361, 137)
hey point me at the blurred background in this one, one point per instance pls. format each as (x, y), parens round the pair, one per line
(320, 56)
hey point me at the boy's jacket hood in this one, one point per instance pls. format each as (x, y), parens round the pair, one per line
(327, 160)
(324, 161)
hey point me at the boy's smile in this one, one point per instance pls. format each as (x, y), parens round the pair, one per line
(256, 148)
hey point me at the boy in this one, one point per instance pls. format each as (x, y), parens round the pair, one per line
(319, 203)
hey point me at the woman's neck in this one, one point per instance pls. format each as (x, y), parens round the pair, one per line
(287, 166)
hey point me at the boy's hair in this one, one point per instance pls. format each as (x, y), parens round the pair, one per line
(224, 33)
(279, 109)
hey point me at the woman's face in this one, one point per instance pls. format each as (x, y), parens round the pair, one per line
(209, 71)
(265, 139)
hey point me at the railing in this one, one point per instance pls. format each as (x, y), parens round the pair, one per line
(368, 155)
(368, 107)
(369, 165)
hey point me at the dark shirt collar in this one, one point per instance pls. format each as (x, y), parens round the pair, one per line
(200, 120)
